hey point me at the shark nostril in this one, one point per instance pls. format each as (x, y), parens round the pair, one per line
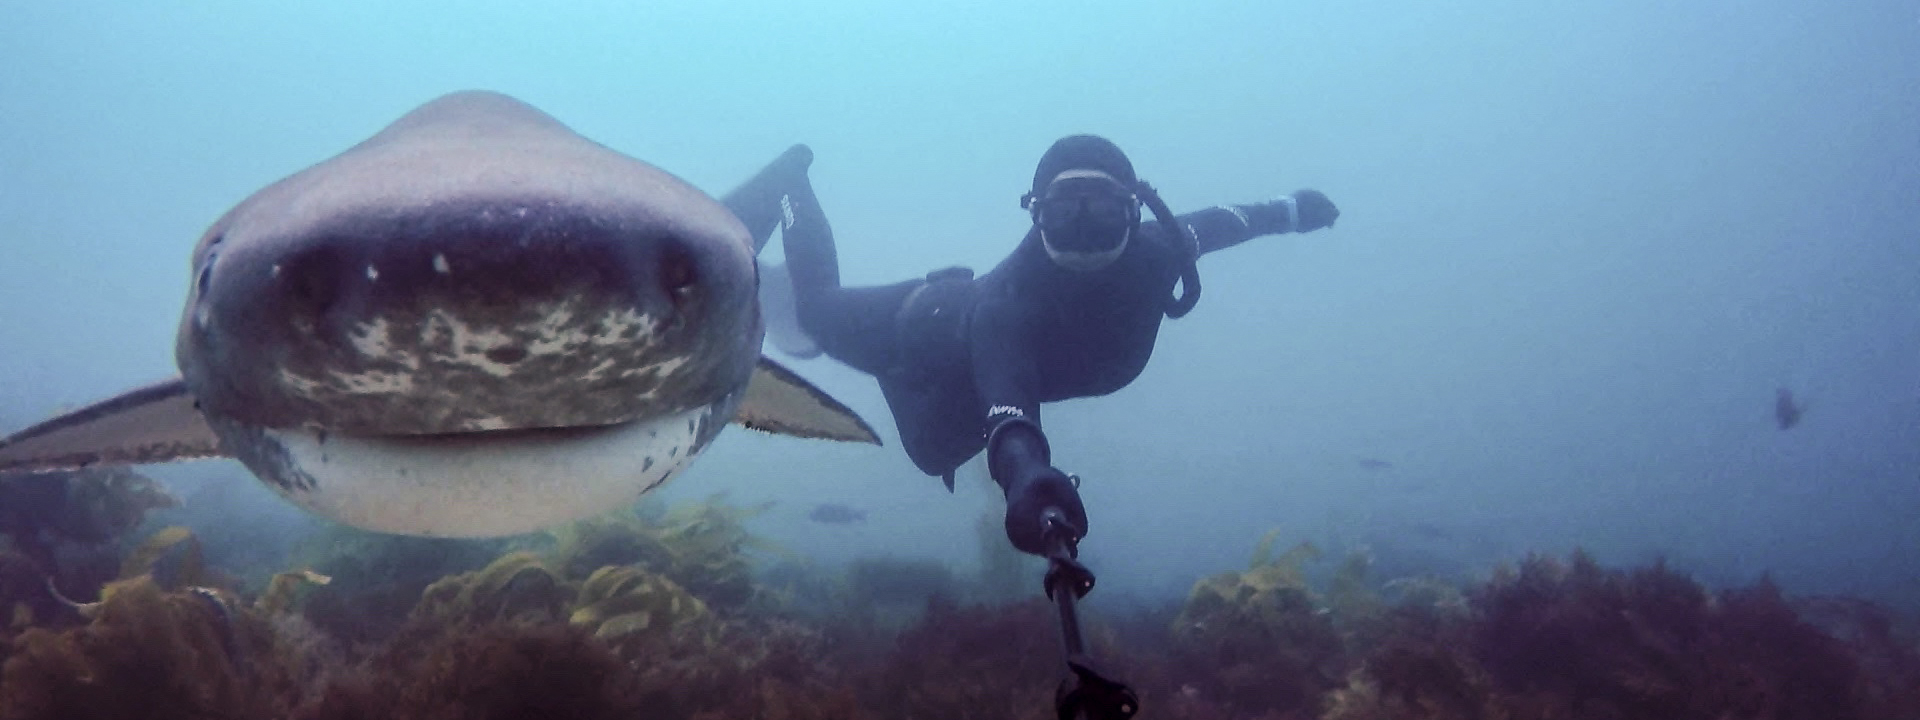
(313, 281)
(677, 271)
(312, 294)
(679, 276)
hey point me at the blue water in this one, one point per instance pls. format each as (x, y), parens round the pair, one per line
(1581, 245)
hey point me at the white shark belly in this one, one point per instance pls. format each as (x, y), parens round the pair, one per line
(481, 485)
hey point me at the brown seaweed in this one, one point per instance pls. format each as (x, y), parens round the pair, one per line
(152, 653)
(1259, 639)
(545, 632)
(972, 662)
(498, 670)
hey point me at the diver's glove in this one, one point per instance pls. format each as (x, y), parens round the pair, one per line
(1315, 211)
(1029, 496)
(1303, 211)
(1020, 460)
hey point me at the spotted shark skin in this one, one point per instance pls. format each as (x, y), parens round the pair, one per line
(475, 323)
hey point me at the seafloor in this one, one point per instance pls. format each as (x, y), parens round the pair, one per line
(683, 613)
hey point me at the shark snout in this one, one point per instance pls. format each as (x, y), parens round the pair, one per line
(335, 291)
(499, 317)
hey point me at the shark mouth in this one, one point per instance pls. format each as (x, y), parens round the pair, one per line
(477, 484)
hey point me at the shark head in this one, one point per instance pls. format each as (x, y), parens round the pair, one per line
(474, 266)
(474, 323)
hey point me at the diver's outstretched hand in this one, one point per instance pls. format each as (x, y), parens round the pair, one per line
(1316, 211)
(1028, 498)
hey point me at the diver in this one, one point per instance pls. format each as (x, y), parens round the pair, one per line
(965, 362)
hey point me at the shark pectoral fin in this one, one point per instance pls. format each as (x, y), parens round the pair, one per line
(779, 401)
(156, 423)
(777, 308)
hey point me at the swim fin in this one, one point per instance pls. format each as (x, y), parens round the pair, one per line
(783, 320)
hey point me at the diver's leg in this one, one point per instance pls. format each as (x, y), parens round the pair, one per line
(857, 326)
(808, 239)
(758, 201)
(780, 195)
(938, 416)
(853, 325)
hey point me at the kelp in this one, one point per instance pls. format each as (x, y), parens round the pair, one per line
(1419, 667)
(618, 538)
(614, 603)
(140, 566)
(704, 547)
(1266, 581)
(147, 555)
(492, 671)
(376, 579)
(1568, 640)
(284, 589)
(543, 631)
(678, 659)
(710, 547)
(1364, 610)
(1652, 641)
(515, 587)
(68, 523)
(27, 599)
(621, 601)
(1886, 653)
(153, 653)
(745, 669)
(972, 662)
(1260, 637)
(153, 646)
(87, 506)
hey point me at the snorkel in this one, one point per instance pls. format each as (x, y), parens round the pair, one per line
(1178, 305)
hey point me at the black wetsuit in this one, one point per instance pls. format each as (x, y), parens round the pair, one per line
(951, 350)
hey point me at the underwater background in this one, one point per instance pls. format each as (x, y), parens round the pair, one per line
(1525, 388)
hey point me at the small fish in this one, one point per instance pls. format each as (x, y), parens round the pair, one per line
(1786, 411)
(837, 514)
(1368, 463)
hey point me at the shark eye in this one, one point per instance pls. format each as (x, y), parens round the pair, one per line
(206, 267)
(206, 274)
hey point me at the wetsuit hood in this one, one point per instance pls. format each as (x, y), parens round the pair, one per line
(1082, 152)
(1082, 202)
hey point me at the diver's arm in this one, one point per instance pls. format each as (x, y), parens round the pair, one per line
(1007, 373)
(1006, 369)
(1229, 225)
